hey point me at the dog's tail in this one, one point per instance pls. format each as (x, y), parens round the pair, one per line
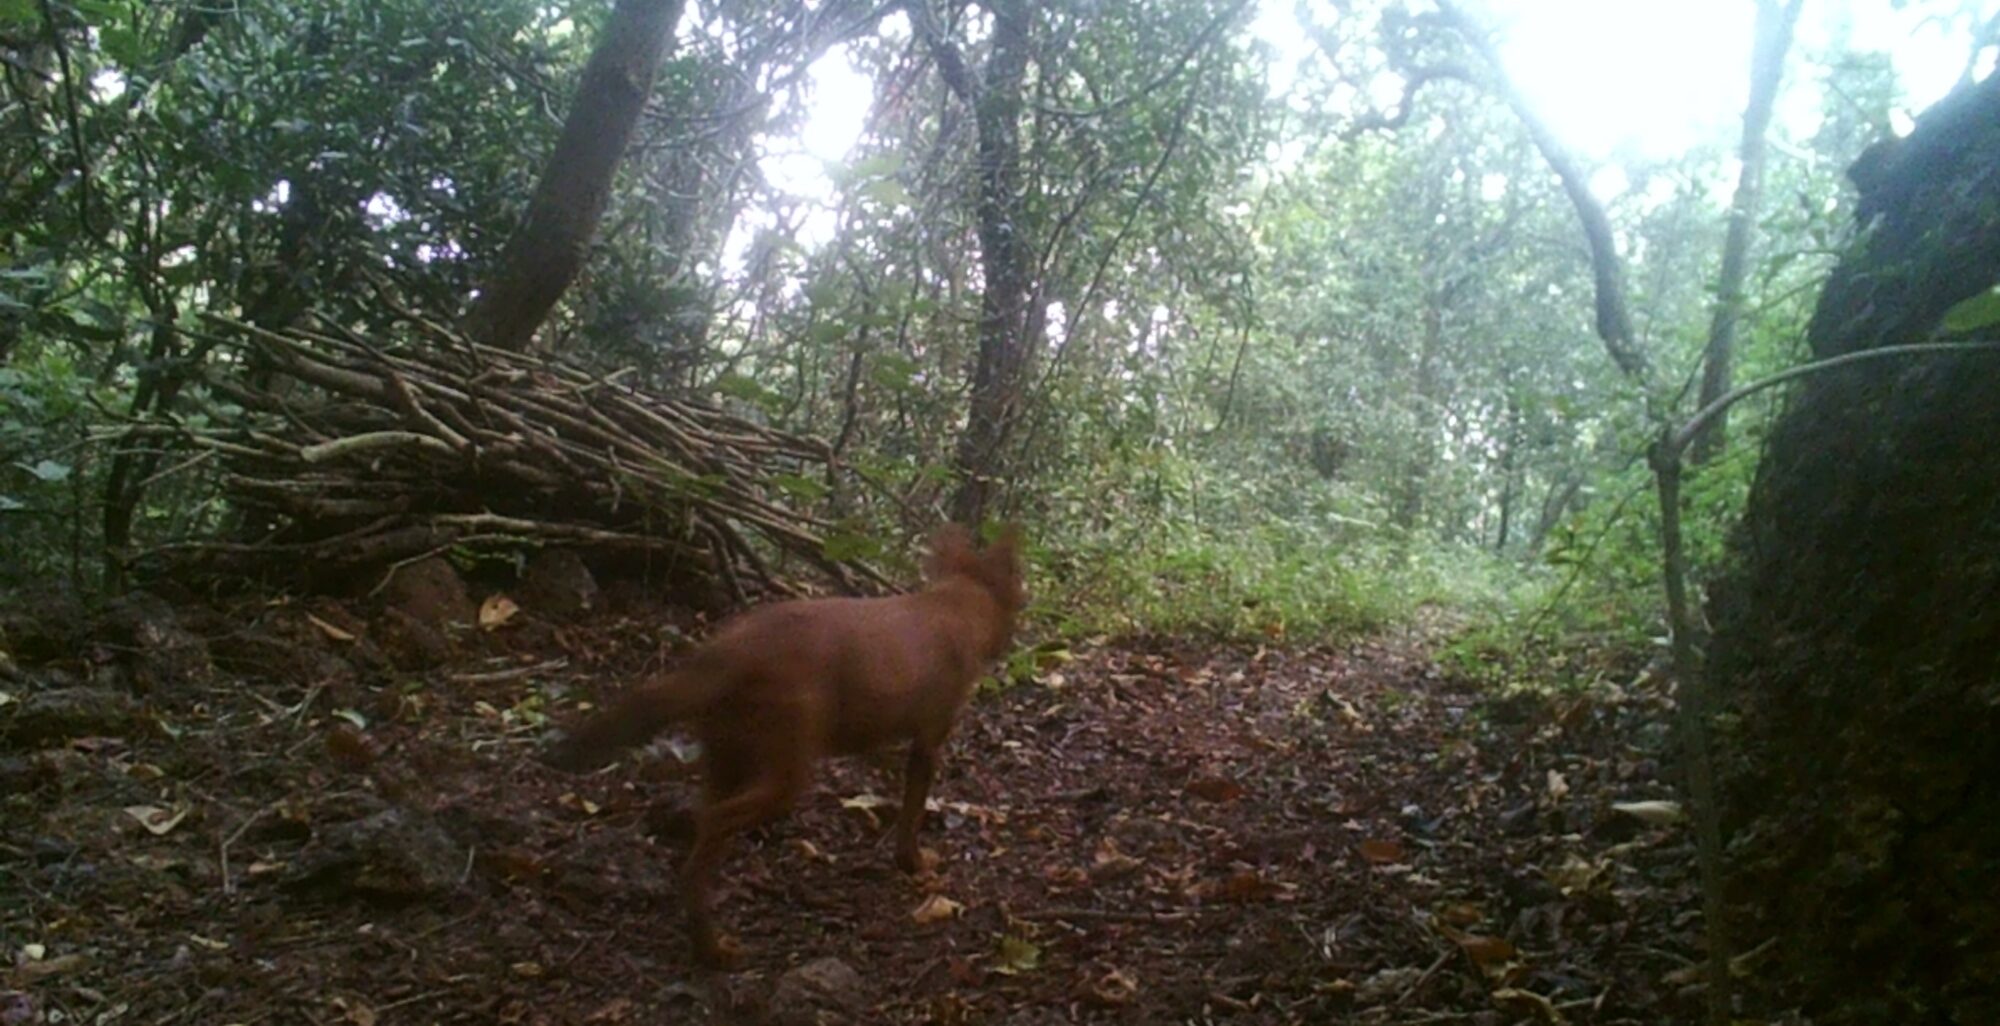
(634, 717)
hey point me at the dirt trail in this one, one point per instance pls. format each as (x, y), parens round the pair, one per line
(1156, 832)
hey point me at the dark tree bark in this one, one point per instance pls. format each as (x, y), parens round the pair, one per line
(1858, 629)
(1767, 69)
(1010, 321)
(545, 255)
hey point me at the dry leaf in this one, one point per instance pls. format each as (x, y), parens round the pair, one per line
(1488, 953)
(1463, 913)
(1381, 851)
(1575, 874)
(496, 611)
(936, 909)
(1215, 789)
(156, 820)
(1245, 886)
(527, 970)
(349, 747)
(1114, 989)
(1111, 864)
(46, 968)
(572, 800)
(1652, 813)
(1558, 787)
(615, 1010)
(1527, 1002)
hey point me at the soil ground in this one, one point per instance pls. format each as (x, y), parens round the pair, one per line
(1154, 831)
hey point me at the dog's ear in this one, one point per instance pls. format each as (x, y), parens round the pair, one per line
(1005, 552)
(1002, 561)
(952, 552)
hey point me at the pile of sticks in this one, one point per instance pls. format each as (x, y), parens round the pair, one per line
(359, 454)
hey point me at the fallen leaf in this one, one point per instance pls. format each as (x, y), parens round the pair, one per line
(349, 747)
(615, 1010)
(156, 820)
(34, 952)
(1527, 1002)
(6, 699)
(1387, 984)
(1463, 913)
(866, 804)
(209, 942)
(1111, 864)
(358, 1012)
(1215, 789)
(1558, 786)
(936, 909)
(1017, 956)
(1381, 851)
(1652, 813)
(48, 967)
(572, 800)
(496, 611)
(1114, 989)
(1488, 953)
(1575, 874)
(527, 970)
(1245, 886)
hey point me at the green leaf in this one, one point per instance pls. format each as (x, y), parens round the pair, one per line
(47, 470)
(894, 372)
(889, 192)
(847, 546)
(18, 12)
(802, 488)
(122, 45)
(1981, 311)
(736, 386)
(1017, 956)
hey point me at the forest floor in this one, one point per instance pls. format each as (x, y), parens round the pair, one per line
(1155, 831)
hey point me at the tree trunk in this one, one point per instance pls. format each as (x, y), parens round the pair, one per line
(1767, 68)
(1009, 318)
(1857, 631)
(545, 255)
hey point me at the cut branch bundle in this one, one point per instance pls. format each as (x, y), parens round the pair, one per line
(360, 455)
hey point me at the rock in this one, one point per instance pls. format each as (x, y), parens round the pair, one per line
(153, 646)
(39, 719)
(431, 592)
(558, 585)
(396, 855)
(819, 993)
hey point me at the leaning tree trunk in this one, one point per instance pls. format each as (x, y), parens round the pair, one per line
(546, 254)
(1860, 630)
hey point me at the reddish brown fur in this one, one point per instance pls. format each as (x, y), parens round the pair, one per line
(785, 685)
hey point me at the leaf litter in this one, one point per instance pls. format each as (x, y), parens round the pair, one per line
(1182, 831)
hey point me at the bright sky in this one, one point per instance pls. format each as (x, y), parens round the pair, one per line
(1646, 77)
